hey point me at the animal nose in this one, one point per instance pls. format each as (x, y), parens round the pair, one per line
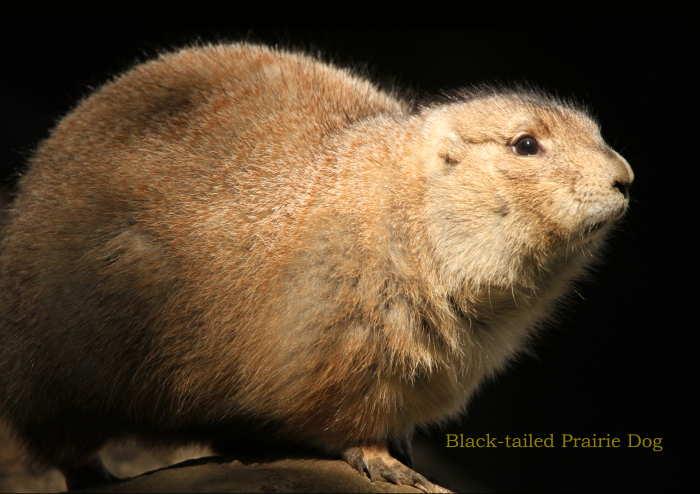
(623, 176)
(623, 186)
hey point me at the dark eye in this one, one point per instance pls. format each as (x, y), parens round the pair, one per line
(526, 146)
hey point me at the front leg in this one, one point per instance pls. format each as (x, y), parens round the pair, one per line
(375, 461)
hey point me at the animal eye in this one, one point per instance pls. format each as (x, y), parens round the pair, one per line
(526, 146)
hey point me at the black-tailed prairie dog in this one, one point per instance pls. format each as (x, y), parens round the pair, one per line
(235, 235)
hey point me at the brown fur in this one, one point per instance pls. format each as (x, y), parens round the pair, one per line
(231, 232)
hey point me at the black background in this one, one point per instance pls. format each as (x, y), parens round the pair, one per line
(620, 360)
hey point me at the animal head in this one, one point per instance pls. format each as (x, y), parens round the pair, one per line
(519, 178)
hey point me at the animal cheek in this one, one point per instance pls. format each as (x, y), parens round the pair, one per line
(524, 170)
(549, 201)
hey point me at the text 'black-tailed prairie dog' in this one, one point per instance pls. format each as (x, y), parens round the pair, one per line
(233, 240)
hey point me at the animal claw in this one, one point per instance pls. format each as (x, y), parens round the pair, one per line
(375, 461)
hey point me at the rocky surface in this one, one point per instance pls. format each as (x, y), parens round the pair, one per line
(199, 473)
(218, 474)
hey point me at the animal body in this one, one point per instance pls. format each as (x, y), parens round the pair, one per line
(232, 238)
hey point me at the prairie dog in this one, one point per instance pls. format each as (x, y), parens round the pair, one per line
(233, 234)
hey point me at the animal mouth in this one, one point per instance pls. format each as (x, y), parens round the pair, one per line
(596, 226)
(600, 223)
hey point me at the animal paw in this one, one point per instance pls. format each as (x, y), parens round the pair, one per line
(375, 461)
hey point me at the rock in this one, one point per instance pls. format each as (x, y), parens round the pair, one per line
(219, 474)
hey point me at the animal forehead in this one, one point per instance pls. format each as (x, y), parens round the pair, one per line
(538, 114)
(502, 118)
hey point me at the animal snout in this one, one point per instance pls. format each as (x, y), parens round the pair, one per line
(623, 185)
(622, 175)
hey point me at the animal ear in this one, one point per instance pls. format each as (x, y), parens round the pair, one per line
(451, 149)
